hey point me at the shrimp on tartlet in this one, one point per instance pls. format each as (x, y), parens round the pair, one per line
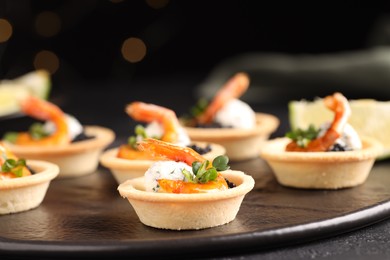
(335, 136)
(185, 191)
(59, 139)
(184, 171)
(230, 122)
(333, 156)
(129, 161)
(225, 110)
(162, 124)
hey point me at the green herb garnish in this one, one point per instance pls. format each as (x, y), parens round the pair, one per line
(199, 107)
(14, 166)
(10, 137)
(37, 131)
(139, 130)
(303, 137)
(202, 172)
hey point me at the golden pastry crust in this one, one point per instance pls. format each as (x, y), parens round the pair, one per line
(74, 159)
(187, 211)
(320, 170)
(24, 193)
(124, 169)
(240, 144)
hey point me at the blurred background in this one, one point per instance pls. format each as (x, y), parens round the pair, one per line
(171, 52)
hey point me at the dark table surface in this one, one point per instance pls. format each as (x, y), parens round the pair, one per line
(368, 238)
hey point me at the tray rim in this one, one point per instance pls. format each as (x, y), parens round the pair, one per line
(249, 241)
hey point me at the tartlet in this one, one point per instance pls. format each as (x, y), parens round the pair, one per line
(240, 144)
(187, 211)
(127, 161)
(320, 170)
(25, 193)
(74, 159)
(125, 169)
(230, 122)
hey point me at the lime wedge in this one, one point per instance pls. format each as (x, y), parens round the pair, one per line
(36, 83)
(369, 118)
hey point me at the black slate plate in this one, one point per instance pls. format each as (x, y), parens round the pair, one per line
(85, 216)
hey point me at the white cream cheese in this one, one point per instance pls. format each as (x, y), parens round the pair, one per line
(169, 170)
(349, 140)
(236, 114)
(156, 130)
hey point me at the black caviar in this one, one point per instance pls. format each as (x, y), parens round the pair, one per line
(212, 125)
(200, 150)
(338, 148)
(230, 184)
(82, 137)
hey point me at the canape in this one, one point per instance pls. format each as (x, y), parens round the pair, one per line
(230, 122)
(62, 140)
(173, 195)
(331, 157)
(320, 170)
(127, 162)
(23, 184)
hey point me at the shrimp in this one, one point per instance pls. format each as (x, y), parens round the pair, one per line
(44, 110)
(148, 112)
(234, 88)
(169, 151)
(182, 154)
(125, 151)
(5, 155)
(339, 104)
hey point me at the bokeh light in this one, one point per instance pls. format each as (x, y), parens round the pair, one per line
(46, 60)
(5, 30)
(47, 24)
(157, 4)
(133, 49)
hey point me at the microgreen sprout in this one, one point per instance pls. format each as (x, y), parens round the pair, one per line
(199, 107)
(37, 131)
(303, 137)
(203, 173)
(10, 137)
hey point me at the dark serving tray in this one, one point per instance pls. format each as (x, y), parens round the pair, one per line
(86, 216)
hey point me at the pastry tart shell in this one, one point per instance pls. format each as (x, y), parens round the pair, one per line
(75, 159)
(187, 211)
(240, 144)
(25, 193)
(320, 170)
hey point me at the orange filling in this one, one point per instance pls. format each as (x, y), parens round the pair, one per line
(176, 186)
(10, 175)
